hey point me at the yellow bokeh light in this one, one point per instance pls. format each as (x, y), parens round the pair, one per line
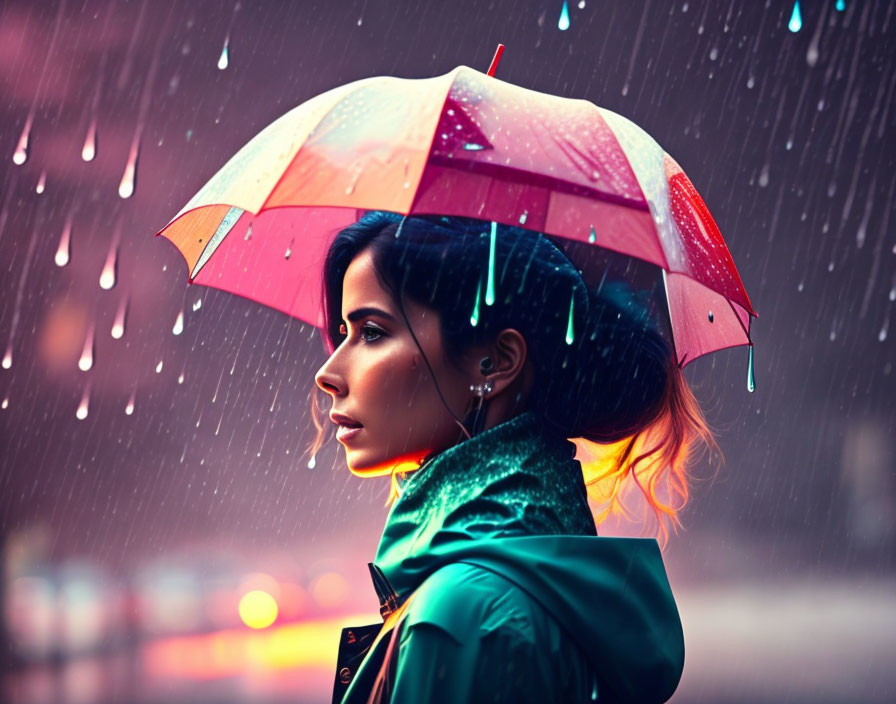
(258, 609)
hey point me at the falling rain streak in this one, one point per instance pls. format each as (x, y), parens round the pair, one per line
(86, 361)
(81, 413)
(88, 151)
(120, 317)
(63, 251)
(563, 22)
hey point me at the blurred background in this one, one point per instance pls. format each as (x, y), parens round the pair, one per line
(163, 535)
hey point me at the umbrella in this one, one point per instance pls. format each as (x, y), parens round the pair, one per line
(463, 144)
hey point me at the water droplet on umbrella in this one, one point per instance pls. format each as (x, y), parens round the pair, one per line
(81, 413)
(523, 217)
(86, 361)
(711, 317)
(159, 367)
(474, 319)
(63, 251)
(592, 237)
(796, 20)
(178, 324)
(108, 275)
(563, 23)
(751, 380)
(223, 59)
(126, 187)
(129, 409)
(197, 305)
(248, 234)
(88, 152)
(473, 147)
(41, 182)
(20, 156)
(450, 112)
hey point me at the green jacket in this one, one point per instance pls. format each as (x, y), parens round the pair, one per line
(517, 598)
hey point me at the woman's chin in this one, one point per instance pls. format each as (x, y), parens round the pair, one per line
(378, 468)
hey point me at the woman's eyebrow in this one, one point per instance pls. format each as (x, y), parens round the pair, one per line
(356, 315)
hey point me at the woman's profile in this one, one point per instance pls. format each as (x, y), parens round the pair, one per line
(464, 359)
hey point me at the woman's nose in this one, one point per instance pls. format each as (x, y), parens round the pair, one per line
(327, 380)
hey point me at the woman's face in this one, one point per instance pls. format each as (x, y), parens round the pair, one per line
(378, 377)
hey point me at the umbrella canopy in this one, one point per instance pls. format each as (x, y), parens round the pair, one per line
(464, 144)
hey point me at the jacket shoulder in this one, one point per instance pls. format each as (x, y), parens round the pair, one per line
(468, 602)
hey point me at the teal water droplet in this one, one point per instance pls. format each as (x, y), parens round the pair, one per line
(474, 319)
(490, 290)
(473, 147)
(841, 5)
(224, 59)
(796, 19)
(592, 238)
(569, 333)
(751, 379)
(564, 18)
(711, 316)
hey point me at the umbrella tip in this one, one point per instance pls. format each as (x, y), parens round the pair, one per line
(495, 59)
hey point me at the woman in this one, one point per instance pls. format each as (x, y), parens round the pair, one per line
(468, 358)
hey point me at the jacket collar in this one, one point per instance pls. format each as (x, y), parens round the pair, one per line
(513, 479)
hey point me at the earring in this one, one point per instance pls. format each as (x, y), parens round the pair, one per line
(486, 366)
(480, 390)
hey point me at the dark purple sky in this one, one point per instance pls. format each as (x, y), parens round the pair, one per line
(788, 137)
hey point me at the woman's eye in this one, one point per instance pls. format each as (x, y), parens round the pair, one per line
(366, 331)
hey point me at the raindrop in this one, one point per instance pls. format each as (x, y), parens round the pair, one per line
(288, 252)
(751, 81)
(841, 5)
(569, 332)
(800, 286)
(473, 147)
(81, 413)
(763, 176)
(178, 324)
(882, 335)
(108, 275)
(359, 24)
(5, 403)
(118, 325)
(474, 319)
(711, 317)
(88, 151)
(796, 20)
(713, 54)
(180, 379)
(751, 379)
(893, 294)
(86, 361)
(789, 145)
(159, 367)
(63, 252)
(224, 58)
(830, 266)
(129, 409)
(41, 182)
(313, 460)
(523, 217)
(126, 187)
(563, 23)
(20, 156)
(197, 305)
(490, 290)
(248, 234)
(592, 237)
(581, 4)
(7, 358)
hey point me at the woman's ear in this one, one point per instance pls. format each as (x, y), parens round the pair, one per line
(508, 356)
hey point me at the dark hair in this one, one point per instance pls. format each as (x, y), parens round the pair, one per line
(604, 371)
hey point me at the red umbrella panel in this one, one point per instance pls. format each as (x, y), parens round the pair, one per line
(464, 144)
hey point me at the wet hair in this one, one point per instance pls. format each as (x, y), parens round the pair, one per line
(606, 376)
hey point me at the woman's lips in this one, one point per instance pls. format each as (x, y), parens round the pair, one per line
(344, 433)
